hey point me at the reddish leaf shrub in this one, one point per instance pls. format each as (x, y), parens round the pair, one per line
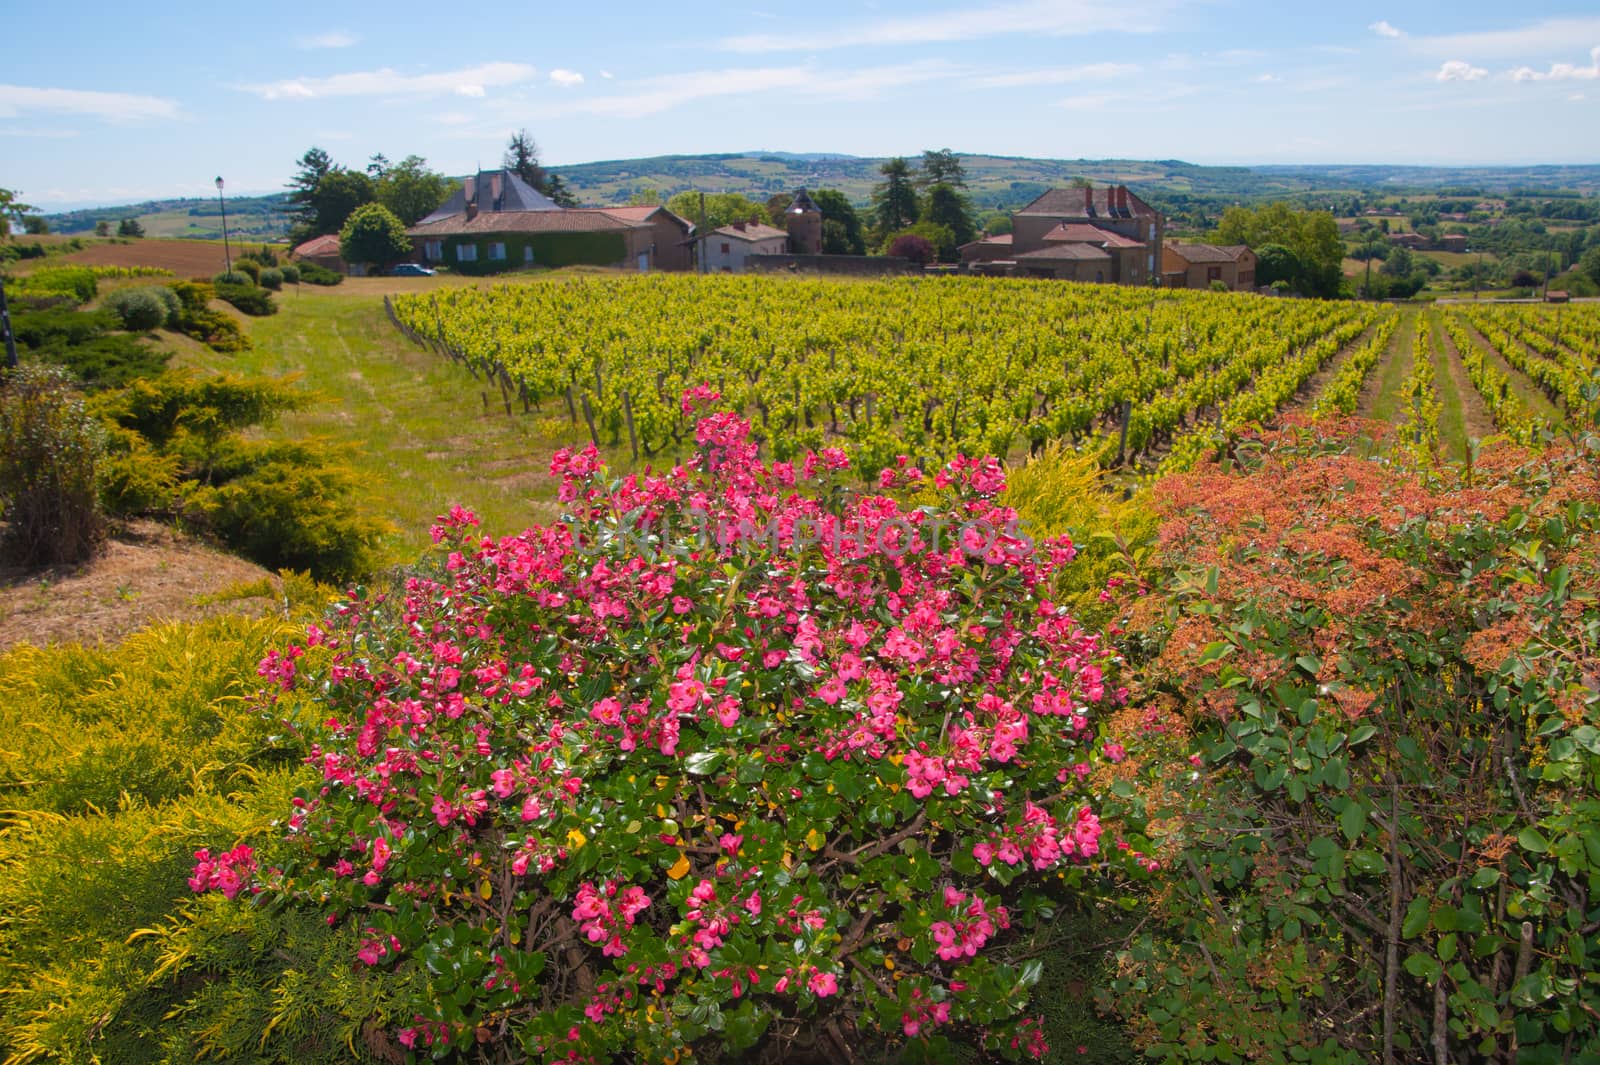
(714, 765)
(1386, 846)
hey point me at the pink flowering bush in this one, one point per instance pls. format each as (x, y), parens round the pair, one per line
(730, 760)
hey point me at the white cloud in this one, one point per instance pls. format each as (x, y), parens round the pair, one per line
(42, 134)
(606, 74)
(1460, 70)
(1039, 18)
(1383, 29)
(1549, 35)
(649, 96)
(1562, 71)
(566, 78)
(331, 39)
(113, 106)
(1575, 97)
(470, 81)
(1058, 75)
(1099, 101)
(1267, 79)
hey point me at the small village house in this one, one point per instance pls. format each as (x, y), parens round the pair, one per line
(496, 221)
(322, 251)
(1185, 265)
(726, 249)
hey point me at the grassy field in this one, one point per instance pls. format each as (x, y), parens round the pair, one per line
(417, 428)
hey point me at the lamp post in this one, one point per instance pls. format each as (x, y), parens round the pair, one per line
(227, 253)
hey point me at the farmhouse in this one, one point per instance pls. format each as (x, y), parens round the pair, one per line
(725, 250)
(496, 221)
(1202, 265)
(1106, 235)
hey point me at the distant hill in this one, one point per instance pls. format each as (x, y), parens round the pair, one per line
(1186, 191)
(253, 218)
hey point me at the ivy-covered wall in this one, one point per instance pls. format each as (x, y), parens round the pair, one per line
(549, 249)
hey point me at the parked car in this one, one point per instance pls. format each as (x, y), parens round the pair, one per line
(410, 270)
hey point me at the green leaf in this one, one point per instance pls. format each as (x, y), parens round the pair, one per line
(1417, 915)
(1353, 820)
(1030, 972)
(703, 763)
(1362, 734)
(1485, 877)
(1530, 839)
(1213, 651)
(1424, 967)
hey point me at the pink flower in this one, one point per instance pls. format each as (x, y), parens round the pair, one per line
(823, 984)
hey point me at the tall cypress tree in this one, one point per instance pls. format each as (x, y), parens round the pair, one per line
(895, 201)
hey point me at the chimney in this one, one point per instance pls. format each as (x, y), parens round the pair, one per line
(1088, 199)
(739, 226)
(1122, 200)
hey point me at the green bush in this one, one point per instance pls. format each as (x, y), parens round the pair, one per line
(50, 449)
(316, 274)
(233, 277)
(286, 505)
(271, 277)
(249, 299)
(75, 281)
(217, 330)
(1370, 734)
(248, 267)
(82, 343)
(291, 273)
(139, 309)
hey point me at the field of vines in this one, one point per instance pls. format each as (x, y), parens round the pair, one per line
(1555, 350)
(922, 367)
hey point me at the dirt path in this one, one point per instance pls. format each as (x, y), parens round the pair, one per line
(1312, 386)
(1475, 420)
(1531, 395)
(1380, 392)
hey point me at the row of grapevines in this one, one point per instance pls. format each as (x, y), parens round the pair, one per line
(1511, 415)
(1559, 379)
(1343, 390)
(1419, 398)
(924, 367)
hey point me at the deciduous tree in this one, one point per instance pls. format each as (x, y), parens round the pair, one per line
(848, 236)
(411, 190)
(944, 206)
(373, 235)
(11, 210)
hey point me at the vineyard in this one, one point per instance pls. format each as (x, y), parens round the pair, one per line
(932, 368)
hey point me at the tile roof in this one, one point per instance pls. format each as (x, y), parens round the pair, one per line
(1061, 252)
(752, 231)
(645, 213)
(1069, 203)
(999, 240)
(1202, 253)
(1084, 233)
(327, 244)
(574, 220)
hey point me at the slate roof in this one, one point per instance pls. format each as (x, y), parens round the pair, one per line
(1084, 233)
(1068, 203)
(803, 202)
(493, 191)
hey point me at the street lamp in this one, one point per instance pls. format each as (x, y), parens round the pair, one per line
(227, 253)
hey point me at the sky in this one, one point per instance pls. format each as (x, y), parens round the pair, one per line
(122, 102)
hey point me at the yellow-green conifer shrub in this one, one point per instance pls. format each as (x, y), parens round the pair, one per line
(1060, 491)
(116, 765)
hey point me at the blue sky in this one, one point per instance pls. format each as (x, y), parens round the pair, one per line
(130, 101)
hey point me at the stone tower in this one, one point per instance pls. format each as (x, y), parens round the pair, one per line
(803, 220)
